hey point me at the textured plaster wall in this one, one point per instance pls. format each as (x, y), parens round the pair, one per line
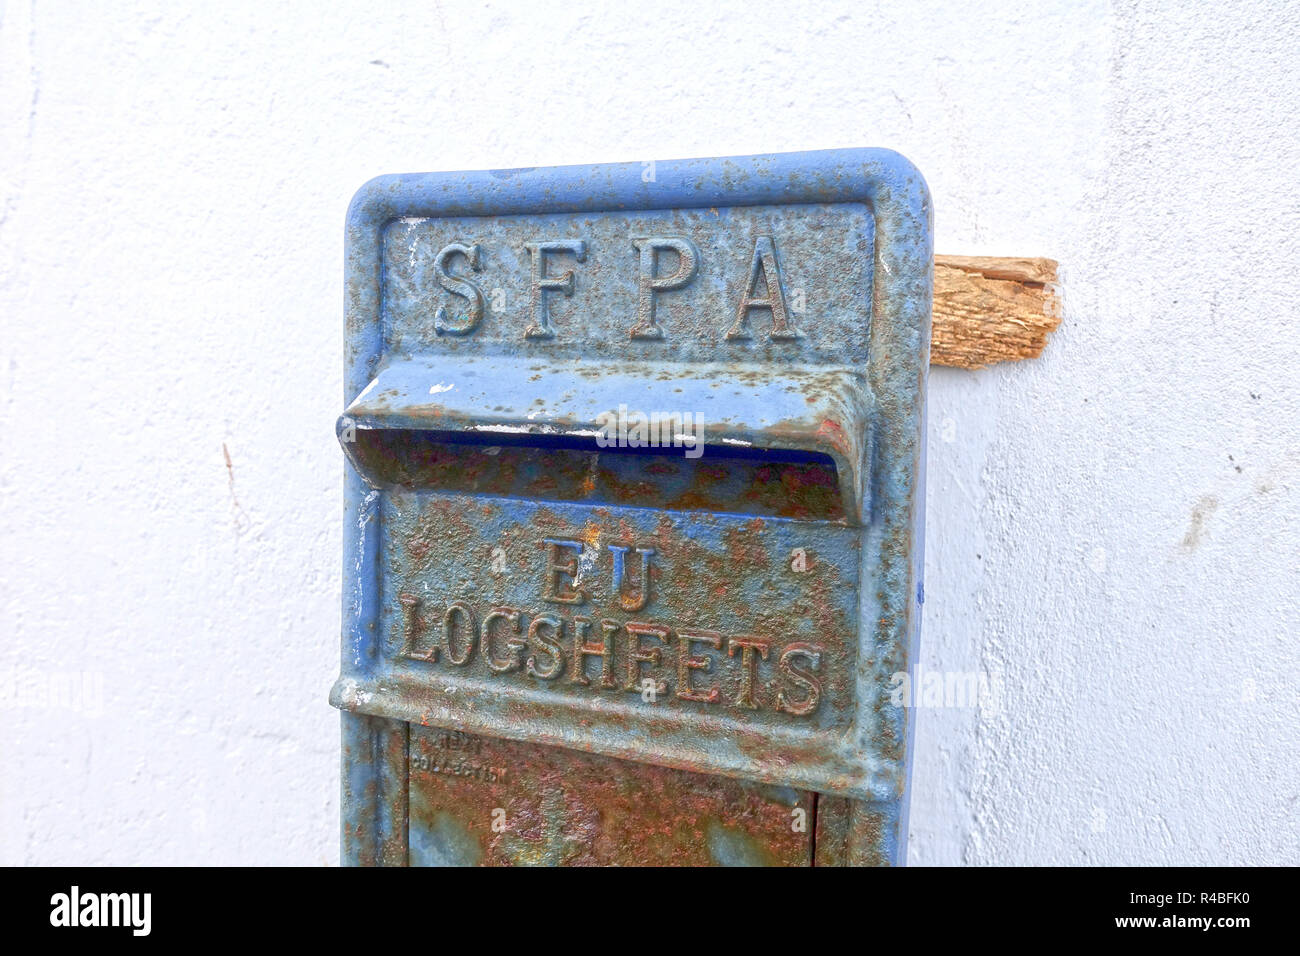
(1113, 534)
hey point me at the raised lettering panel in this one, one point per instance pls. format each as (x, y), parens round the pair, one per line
(746, 283)
(548, 604)
(740, 658)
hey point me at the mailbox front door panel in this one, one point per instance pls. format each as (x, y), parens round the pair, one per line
(634, 526)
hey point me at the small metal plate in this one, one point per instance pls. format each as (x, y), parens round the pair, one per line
(477, 801)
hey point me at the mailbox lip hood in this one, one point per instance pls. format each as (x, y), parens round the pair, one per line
(759, 407)
(896, 368)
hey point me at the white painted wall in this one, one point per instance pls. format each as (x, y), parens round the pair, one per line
(1114, 530)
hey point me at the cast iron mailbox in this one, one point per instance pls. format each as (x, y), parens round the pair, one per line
(634, 517)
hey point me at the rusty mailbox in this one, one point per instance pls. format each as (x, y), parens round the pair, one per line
(632, 547)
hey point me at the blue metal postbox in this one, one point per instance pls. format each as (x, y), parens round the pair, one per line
(634, 503)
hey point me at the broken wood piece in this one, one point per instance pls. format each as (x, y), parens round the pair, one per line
(990, 309)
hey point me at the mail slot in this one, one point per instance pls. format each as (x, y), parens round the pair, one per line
(632, 543)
